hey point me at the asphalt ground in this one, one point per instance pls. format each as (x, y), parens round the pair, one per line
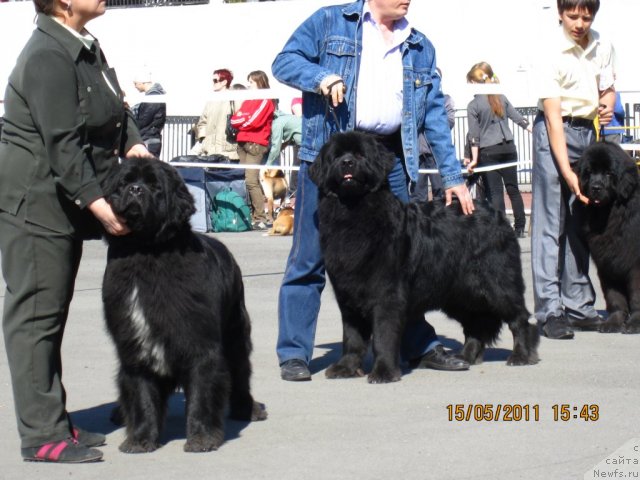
(348, 429)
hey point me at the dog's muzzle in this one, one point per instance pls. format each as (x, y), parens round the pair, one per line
(135, 190)
(346, 168)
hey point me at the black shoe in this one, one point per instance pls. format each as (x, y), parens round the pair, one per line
(591, 324)
(557, 328)
(439, 359)
(295, 370)
(261, 225)
(520, 233)
(88, 439)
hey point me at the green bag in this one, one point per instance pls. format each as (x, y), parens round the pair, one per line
(230, 212)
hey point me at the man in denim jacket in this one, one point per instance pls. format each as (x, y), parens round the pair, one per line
(366, 47)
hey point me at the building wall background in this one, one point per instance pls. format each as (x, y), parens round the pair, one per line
(182, 45)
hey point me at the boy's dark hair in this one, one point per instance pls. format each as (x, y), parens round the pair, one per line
(592, 6)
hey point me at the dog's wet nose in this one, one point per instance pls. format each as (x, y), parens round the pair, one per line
(347, 162)
(135, 190)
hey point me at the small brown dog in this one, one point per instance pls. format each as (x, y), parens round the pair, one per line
(274, 186)
(283, 225)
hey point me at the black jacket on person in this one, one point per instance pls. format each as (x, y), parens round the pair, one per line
(64, 128)
(151, 117)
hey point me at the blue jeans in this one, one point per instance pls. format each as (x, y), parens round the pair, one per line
(304, 279)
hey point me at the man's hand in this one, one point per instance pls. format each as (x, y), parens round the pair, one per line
(462, 192)
(574, 185)
(111, 222)
(333, 86)
(605, 114)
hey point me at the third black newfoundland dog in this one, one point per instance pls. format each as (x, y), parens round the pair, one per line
(609, 178)
(388, 261)
(174, 305)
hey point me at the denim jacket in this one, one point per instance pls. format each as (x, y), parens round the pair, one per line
(330, 42)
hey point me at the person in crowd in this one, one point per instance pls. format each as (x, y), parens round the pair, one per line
(286, 129)
(63, 131)
(576, 84)
(253, 120)
(428, 161)
(150, 116)
(211, 137)
(615, 131)
(492, 144)
(395, 73)
(296, 109)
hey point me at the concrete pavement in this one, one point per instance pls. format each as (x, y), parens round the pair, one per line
(348, 429)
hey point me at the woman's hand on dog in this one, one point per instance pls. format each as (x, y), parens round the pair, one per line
(110, 221)
(139, 151)
(462, 192)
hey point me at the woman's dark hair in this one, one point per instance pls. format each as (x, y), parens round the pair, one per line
(592, 6)
(261, 79)
(44, 6)
(224, 74)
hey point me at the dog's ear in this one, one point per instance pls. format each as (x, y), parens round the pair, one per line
(111, 182)
(627, 175)
(579, 169)
(317, 172)
(179, 201)
(381, 156)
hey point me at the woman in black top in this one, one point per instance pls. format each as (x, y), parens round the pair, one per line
(65, 126)
(492, 143)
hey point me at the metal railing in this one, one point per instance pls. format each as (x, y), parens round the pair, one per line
(178, 137)
(152, 3)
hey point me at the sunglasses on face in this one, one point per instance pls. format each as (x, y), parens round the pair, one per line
(217, 80)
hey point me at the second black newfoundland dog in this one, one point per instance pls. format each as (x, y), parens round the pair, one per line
(174, 306)
(388, 262)
(609, 178)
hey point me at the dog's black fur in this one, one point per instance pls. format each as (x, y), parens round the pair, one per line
(609, 178)
(174, 306)
(389, 262)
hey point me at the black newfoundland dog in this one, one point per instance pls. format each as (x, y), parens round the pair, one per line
(388, 262)
(609, 178)
(174, 305)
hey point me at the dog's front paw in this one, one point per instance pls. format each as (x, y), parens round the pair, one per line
(204, 442)
(517, 360)
(613, 324)
(142, 446)
(338, 370)
(259, 412)
(383, 374)
(632, 325)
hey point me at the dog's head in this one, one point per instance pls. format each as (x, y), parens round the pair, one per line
(607, 174)
(351, 164)
(151, 197)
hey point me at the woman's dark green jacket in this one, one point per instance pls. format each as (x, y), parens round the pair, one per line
(64, 128)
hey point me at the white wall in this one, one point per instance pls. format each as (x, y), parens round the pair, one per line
(183, 45)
